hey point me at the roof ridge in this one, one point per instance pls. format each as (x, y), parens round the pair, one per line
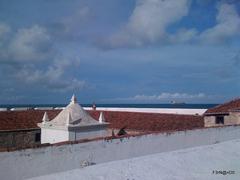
(224, 104)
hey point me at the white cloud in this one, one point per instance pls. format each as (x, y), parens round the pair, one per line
(28, 51)
(4, 28)
(148, 22)
(183, 35)
(150, 19)
(53, 78)
(30, 44)
(73, 25)
(164, 97)
(228, 25)
(169, 96)
(25, 45)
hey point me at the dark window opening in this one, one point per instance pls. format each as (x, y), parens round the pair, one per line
(220, 120)
(37, 137)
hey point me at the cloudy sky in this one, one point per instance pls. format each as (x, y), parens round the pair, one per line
(119, 51)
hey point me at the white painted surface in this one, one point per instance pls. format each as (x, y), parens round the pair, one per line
(101, 118)
(187, 164)
(45, 118)
(87, 134)
(35, 162)
(43, 108)
(20, 109)
(53, 135)
(152, 110)
(59, 108)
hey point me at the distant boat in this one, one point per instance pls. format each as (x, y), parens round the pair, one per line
(177, 103)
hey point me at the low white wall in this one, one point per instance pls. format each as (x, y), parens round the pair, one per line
(35, 162)
(153, 110)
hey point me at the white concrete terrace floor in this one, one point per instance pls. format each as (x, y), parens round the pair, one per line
(193, 163)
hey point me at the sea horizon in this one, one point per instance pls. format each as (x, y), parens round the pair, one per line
(119, 105)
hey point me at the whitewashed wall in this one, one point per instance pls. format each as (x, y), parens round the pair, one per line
(35, 162)
(153, 110)
(73, 135)
(232, 119)
(53, 135)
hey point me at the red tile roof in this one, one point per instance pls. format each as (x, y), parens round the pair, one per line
(150, 121)
(225, 108)
(28, 119)
(15, 120)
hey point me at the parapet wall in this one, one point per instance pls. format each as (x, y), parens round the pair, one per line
(28, 163)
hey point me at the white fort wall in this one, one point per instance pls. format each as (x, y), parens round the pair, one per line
(35, 162)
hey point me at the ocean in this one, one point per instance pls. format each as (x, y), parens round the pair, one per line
(183, 106)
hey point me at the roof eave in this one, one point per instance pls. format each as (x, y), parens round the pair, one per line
(72, 127)
(216, 113)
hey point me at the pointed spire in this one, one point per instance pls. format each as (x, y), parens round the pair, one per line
(101, 118)
(69, 119)
(73, 99)
(45, 118)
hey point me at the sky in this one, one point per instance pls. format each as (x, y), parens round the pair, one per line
(128, 51)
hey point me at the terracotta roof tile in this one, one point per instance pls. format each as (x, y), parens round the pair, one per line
(15, 120)
(150, 121)
(225, 108)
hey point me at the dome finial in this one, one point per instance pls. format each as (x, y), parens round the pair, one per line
(73, 99)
